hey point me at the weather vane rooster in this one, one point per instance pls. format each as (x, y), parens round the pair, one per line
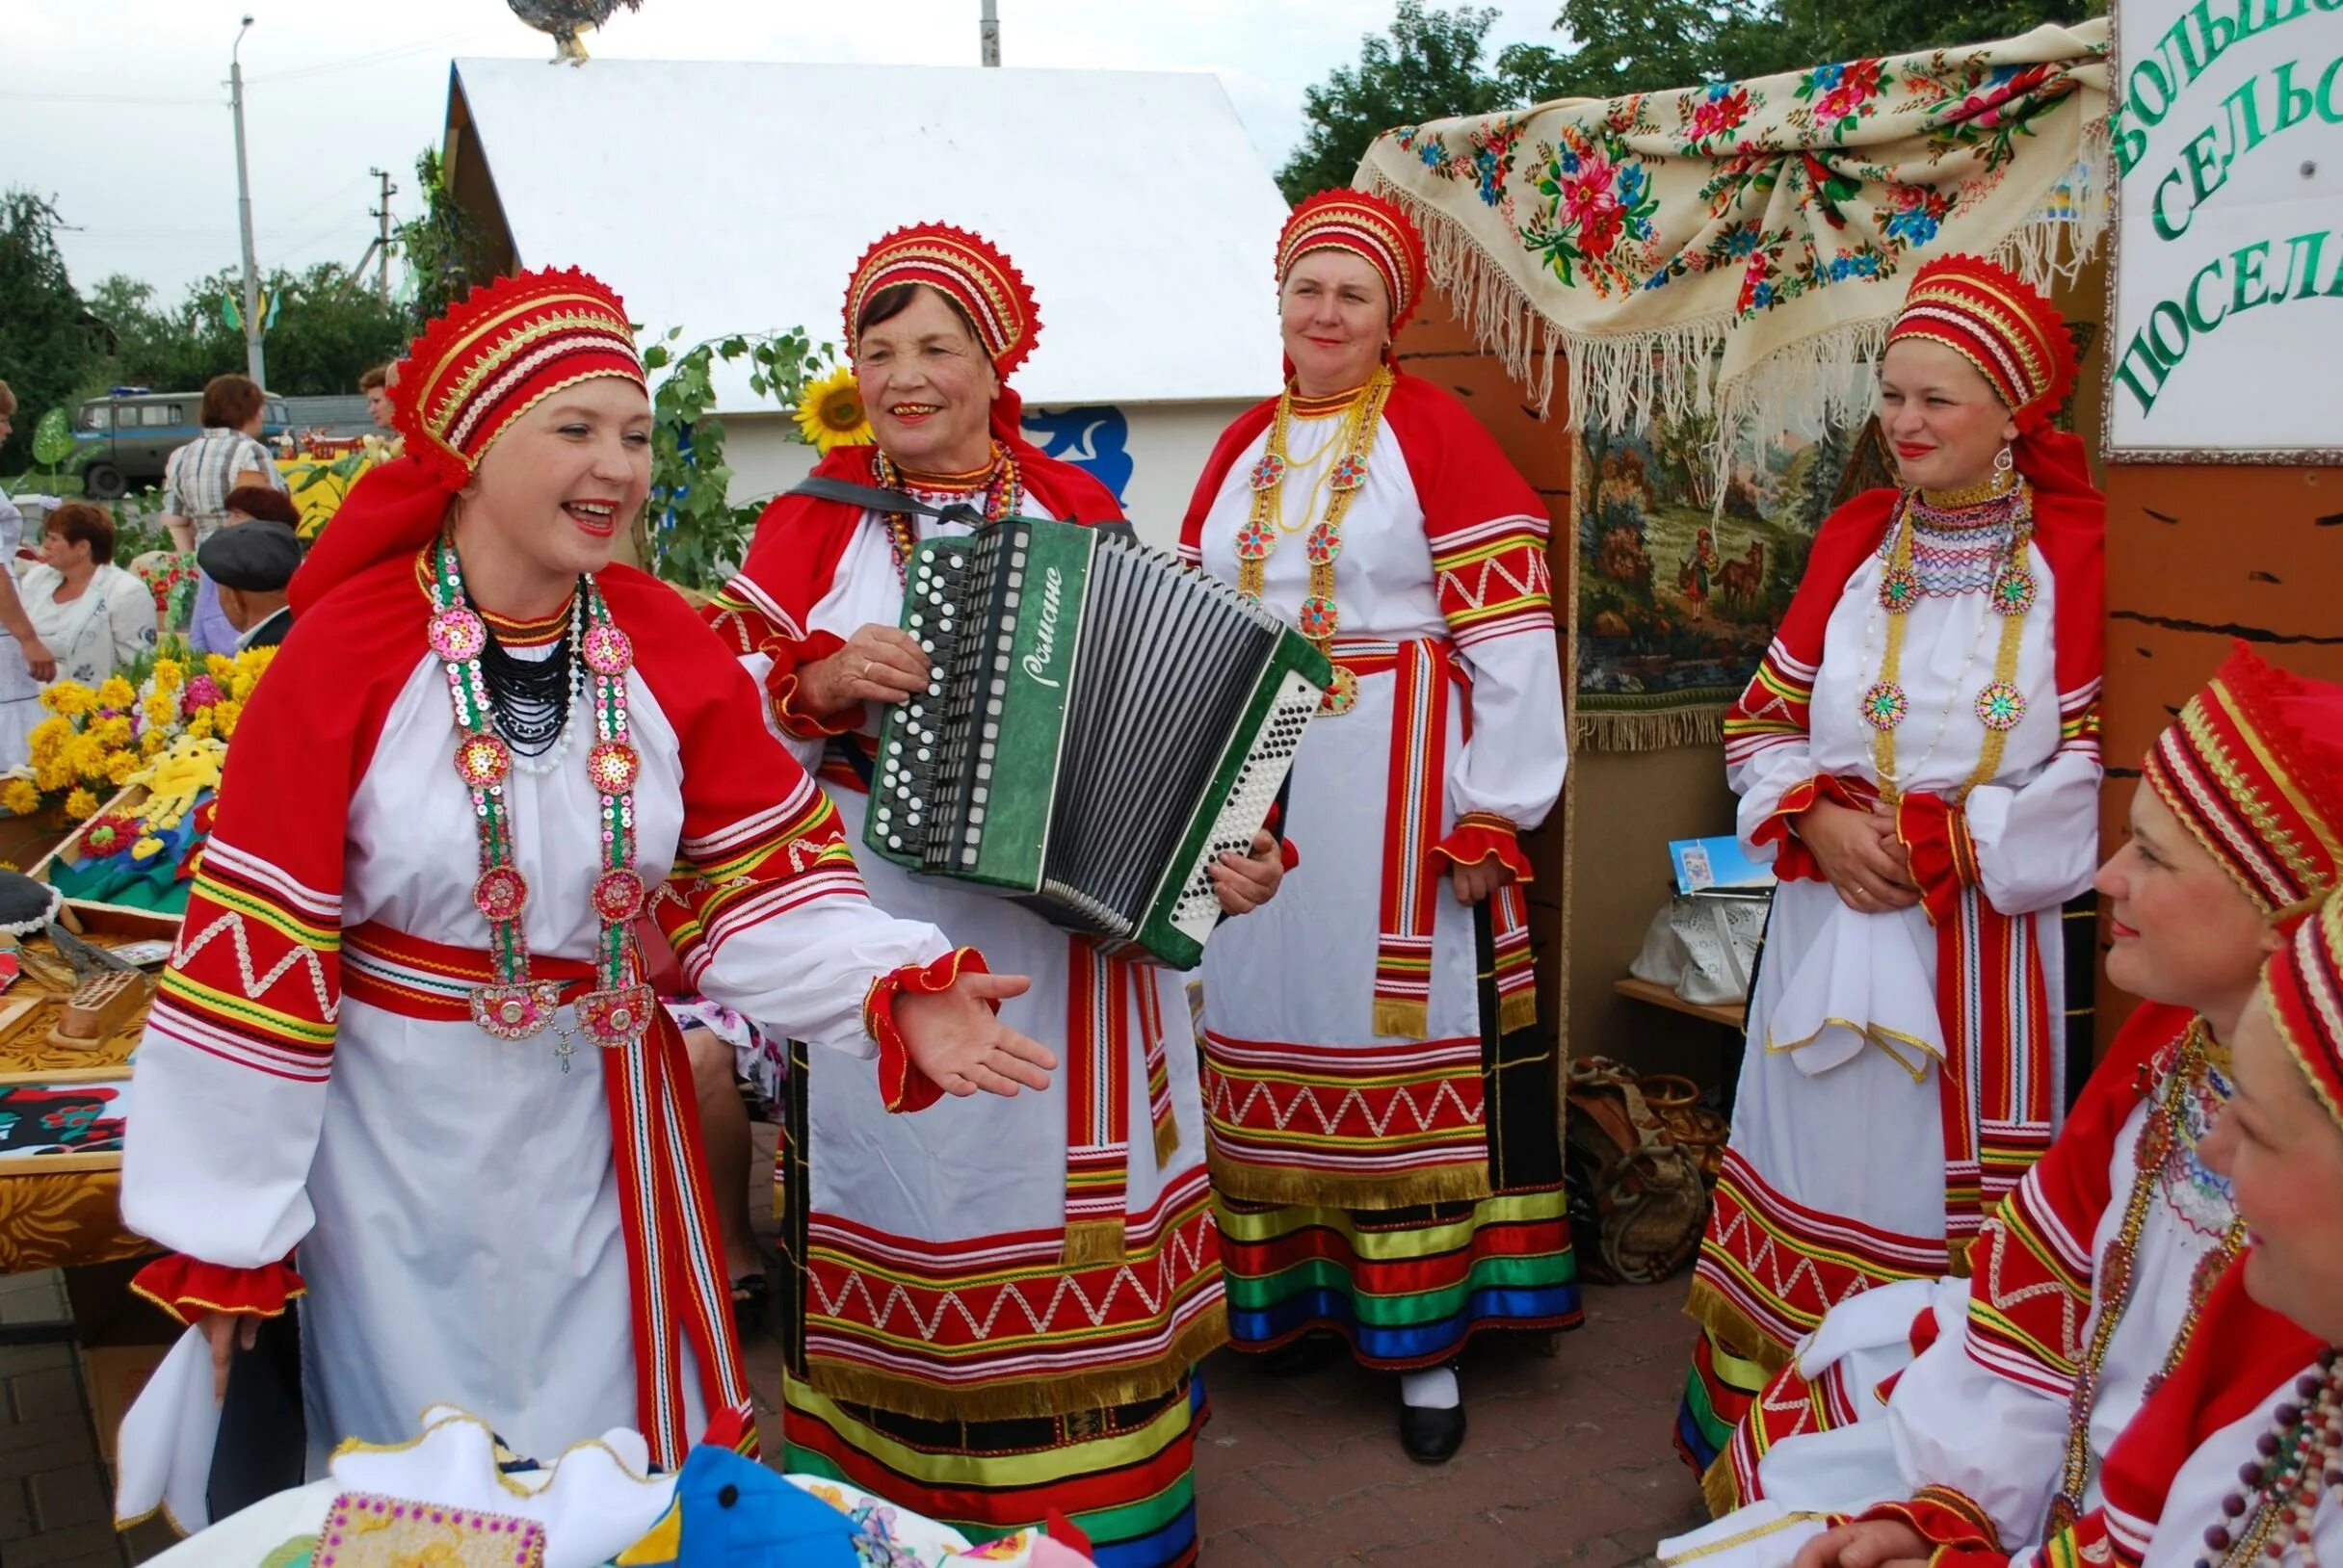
(564, 19)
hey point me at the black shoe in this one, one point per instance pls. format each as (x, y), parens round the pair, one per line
(1297, 1357)
(1431, 1437)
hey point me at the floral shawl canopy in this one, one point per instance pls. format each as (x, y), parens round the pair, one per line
(1768, 227)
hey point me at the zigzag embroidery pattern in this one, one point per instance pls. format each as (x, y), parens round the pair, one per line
(1762, 1259)
(1536, 582)
(2007, 1300)
(256, 986)
(1184, 1254)
(1219, 1107)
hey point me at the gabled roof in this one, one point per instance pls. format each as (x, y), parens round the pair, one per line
(728, 198)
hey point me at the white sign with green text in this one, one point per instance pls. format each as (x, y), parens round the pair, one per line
(2227, 327)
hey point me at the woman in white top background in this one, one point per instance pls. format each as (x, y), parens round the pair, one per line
(95, 616)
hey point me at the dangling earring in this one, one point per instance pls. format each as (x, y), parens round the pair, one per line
(2004, 462)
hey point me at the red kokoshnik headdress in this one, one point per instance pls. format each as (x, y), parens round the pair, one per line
(2001, 324)
(2253, 766)
(2302, 984)
(1366, 227)
(970, 272)
(505, 348)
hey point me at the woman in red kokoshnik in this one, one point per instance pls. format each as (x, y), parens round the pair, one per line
(1918, 757)
(1384, 1115)
(404, 1029)
(994, 1313)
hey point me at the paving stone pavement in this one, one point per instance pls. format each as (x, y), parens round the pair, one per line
(1565, 1464)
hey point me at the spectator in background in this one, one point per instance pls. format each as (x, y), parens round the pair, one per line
(212, 629)
(376, 384)
(196, 481)
(97, 616)
(251, 565)
(25, 661)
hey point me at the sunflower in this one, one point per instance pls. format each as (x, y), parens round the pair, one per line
(831, 413)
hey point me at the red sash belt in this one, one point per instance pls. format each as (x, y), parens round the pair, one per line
(672, 1251)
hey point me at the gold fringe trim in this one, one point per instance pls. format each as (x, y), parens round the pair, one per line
(1517, 1012)
(1657, 730)
(1013, 1398)
(1728, 1323)
(1403, 1018)
(1287, 1185)
(1167, 1141)
(1092, 1243)
(1719, 1488)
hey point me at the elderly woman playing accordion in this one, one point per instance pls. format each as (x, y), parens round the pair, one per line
(994, 1317)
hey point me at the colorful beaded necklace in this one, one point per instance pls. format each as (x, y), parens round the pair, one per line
(2271, 1510)
(1318, 619)
(998, 481)
(2117, 1276)
(2000, 705)
(516, 1006)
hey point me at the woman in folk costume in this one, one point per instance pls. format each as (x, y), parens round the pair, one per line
(2089, 1279)
(447, 1086)
(1384, 1116)
(1918, 758)
(993, 1317)
(2236, 1458)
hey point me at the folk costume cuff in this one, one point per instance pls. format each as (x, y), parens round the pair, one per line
(1953, 1521)
(1481, 836)
(783, 692)
(902, 1086)
(1943, 858)
(1792, 861)
(190, 1288)
(1288, 854)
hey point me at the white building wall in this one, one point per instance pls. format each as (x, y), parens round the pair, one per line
(1167, 444)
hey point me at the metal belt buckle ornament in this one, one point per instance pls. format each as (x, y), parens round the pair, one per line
(615, 1018)
(515, 1011)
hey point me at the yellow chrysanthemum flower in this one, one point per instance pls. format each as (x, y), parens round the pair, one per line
(68, 700)
(169, 675)
(831, 413)
(112, 733)
(115, 692)
(49, 739)
(80, 805)
(220, 667)
(160, 711)
(20, 795)
(200, 727)
(52, 776)
(121, 766)
(224, 714)
(85, 756)
(152, 743)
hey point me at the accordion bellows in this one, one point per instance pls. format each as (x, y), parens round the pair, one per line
(1103, 722)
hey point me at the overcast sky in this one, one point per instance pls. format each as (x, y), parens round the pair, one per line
(118, 108)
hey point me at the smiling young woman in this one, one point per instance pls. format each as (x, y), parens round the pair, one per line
(408, 1031)
(1918, 758)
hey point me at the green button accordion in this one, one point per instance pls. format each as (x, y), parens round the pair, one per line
(1102, 724)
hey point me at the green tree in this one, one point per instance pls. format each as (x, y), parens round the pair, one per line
(1429, 67)
(446, 254)
(330, 327)
(50, 345)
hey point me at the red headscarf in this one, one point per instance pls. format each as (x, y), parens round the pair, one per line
(2253, 766)
(1366, 227)
(975, 276)
(509, 346)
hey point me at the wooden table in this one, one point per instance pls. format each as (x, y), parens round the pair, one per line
(64, 1210)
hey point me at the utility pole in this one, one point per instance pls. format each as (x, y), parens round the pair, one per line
(989, 34)
(255, 362)
(381, 215)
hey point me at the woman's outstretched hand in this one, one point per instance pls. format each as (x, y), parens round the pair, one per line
(955, 1038)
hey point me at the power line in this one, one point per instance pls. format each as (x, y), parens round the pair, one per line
(116, 100)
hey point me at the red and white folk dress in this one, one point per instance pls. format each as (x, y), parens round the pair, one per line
(1385, 1128)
